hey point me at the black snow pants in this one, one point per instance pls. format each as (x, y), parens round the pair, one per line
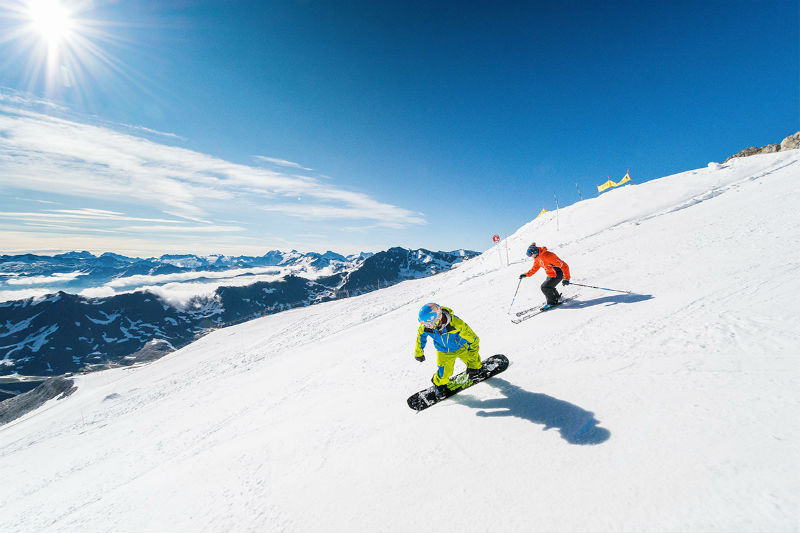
(549, 287)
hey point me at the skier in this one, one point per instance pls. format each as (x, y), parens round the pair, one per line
(452, 338)
(556, 270)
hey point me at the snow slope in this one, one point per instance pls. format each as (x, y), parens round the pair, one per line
(673, 408)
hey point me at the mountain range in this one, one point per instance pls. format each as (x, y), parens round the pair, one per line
(65, 332)
(74, 271)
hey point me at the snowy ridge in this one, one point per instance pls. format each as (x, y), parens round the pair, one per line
(668, 409)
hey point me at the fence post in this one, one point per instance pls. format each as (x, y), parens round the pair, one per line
(556, 199)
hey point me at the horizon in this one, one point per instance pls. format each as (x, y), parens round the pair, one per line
(303, 252)
(358, 126)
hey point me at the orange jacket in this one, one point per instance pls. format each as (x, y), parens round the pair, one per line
(548, 260)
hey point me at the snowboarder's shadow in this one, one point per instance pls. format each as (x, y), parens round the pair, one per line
(609, 300)
(576, 425)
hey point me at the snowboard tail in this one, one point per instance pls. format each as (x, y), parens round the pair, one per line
(425, 398)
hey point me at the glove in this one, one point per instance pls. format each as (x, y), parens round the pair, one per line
(565, 282)
(420, 358)
(522, 276)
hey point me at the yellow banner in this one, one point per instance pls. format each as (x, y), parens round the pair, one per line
(542, 212)
(610, 184)
(606, 185)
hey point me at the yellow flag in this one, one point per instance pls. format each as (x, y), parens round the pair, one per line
(610, 184)
(542, 212)
(606, 185)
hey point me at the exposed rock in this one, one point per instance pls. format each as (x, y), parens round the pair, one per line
(770, 148)
(17, 406)
(789, 143)
(792, 142)
(747, 152)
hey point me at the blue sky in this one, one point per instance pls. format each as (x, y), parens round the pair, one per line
(239, 127)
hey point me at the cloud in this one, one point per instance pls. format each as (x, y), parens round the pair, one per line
(56, 240)
(45, 280)
(183, 229)
(34, 200)
(154, 132)
(179, 288)
(381, 215)
(281, 162)
(97, 292)
(46, 154)
(61, 215)
(7, 296)
(13, 97)
(137, 281)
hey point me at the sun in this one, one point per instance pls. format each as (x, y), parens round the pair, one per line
(60, 47)
(67, 50)
(51, 19)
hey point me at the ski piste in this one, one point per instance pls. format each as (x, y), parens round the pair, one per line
(525, 314)
(425, 398)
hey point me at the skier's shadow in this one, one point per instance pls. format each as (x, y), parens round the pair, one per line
(609, 300)
(576, 425)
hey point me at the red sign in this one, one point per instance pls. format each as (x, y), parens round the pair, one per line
(496, 238)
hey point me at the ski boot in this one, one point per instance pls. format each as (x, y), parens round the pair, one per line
(548, 305)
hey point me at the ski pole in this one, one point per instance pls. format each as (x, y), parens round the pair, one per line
(601, 288)
(515, 296)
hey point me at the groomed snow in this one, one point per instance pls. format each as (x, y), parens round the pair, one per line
(674, 408)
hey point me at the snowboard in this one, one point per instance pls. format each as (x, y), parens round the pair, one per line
(425, 398)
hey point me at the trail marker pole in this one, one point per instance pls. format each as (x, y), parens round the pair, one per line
(496, 240)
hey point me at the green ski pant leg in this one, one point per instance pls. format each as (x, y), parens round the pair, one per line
(446, 362)
(471, 358)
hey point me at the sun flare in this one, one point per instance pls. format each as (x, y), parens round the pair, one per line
(51, 19)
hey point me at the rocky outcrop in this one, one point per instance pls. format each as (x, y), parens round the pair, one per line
(13, 408)
(791, 142)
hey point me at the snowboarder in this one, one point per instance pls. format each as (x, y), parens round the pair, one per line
(556, 270)
(452, 338)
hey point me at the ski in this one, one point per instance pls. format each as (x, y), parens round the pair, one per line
(533, 311)
(530, 310)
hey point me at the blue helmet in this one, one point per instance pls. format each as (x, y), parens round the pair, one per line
(430, 315)
(533, 250)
